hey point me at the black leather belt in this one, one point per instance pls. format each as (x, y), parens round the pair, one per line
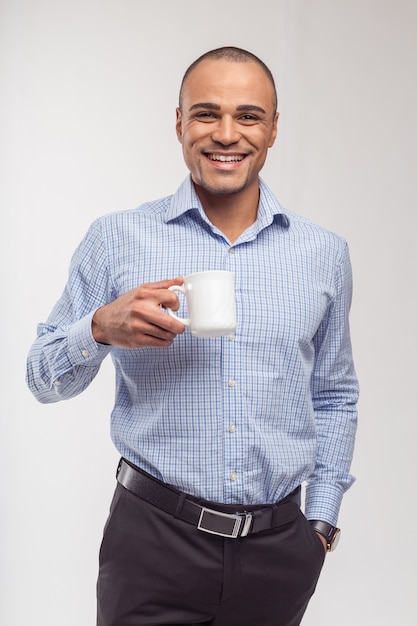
(211, 518)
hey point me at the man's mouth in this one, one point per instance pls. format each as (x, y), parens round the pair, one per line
(226, 158)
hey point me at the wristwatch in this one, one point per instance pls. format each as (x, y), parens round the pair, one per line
(329, 532)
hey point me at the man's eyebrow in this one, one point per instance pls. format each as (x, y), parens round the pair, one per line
(215, 107)
(250, 107)
(205, 105)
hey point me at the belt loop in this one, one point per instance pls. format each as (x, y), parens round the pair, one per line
(275, 515)
(180, 504)
(119, 467)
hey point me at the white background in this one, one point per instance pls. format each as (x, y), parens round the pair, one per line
(88, 93)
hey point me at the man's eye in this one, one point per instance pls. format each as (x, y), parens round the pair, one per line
(205, 115)
(249, 118)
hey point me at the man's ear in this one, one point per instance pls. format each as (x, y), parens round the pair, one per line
(178, 124)
(274, 130)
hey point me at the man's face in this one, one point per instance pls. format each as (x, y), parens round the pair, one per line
(226, 124)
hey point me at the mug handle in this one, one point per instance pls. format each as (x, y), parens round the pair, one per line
(170, 312)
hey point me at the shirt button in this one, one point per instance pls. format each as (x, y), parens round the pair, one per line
(57, 383)
(85, 353)
(233, 476)
(232, 428)
(231, 337)
(231, 250)
(232, 383)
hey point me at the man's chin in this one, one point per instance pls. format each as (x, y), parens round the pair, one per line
(225, 188)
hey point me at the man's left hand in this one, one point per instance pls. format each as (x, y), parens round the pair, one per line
(323, 540)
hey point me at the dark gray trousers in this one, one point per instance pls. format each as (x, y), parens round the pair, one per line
(158, 570)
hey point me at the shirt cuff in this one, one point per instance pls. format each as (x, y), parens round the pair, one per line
(83, 349)
(323, 502)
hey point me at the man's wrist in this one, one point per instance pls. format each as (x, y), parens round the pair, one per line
(96, 328)
(330, 534)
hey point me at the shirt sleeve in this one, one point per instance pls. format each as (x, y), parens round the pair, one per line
(65, 358)
(334, 391)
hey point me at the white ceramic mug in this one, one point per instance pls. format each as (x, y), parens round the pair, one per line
(211, 303)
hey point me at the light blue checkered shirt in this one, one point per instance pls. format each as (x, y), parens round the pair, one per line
(239, 419)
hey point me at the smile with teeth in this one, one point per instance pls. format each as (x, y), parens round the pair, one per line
(226, 158)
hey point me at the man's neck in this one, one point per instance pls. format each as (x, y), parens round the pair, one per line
(230, 213)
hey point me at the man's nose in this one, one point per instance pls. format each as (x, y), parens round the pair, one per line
(226, 131)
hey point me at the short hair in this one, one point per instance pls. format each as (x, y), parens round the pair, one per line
(234, 55)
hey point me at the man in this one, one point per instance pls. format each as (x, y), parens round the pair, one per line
(216, 435)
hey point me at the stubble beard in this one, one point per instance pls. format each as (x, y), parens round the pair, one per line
(227, 188)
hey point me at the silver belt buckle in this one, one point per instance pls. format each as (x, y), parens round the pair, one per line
(235, 524)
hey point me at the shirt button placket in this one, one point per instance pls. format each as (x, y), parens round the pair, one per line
(232, 402)
(232, 429)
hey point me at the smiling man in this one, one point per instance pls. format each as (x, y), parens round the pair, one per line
(216, 436)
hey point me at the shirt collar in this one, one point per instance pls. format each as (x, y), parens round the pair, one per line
(185, 199)
(269, 208)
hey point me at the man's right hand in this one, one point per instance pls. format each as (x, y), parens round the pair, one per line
(136, 320)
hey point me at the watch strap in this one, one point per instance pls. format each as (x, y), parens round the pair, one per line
(329, 532)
